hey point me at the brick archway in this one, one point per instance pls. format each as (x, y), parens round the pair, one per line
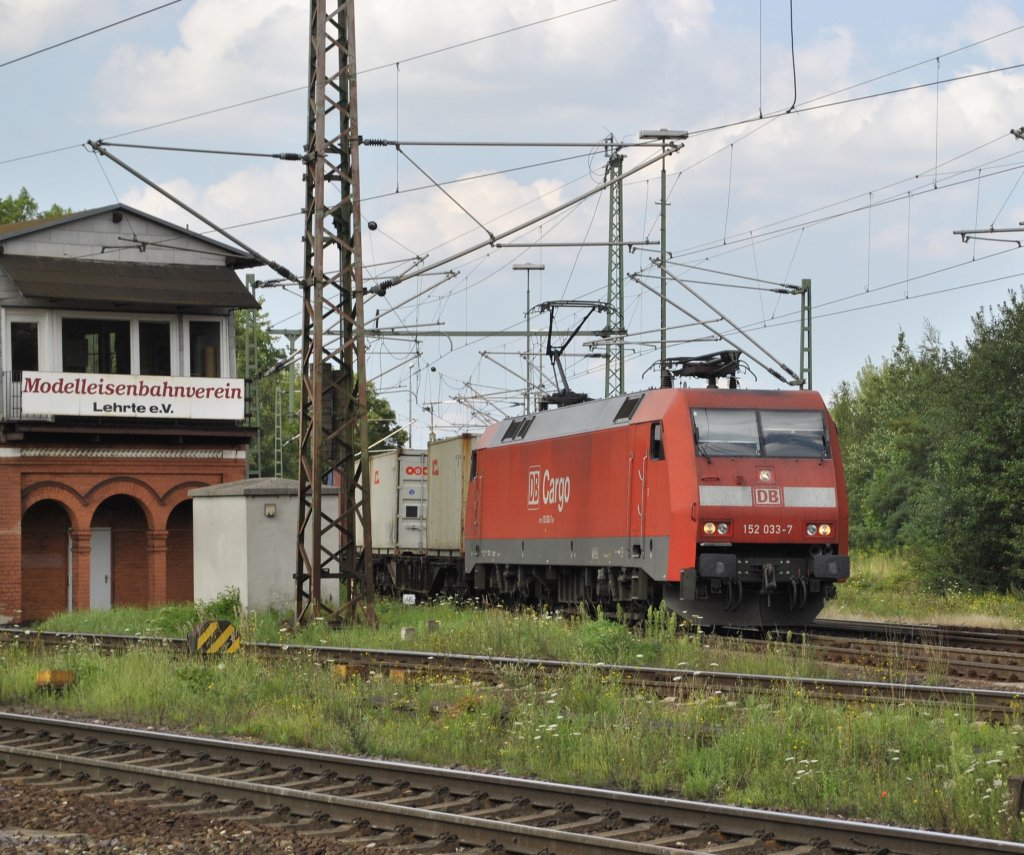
(180, 585)
(73, 503)
(144, 496)
(72, 484)
(129, 525)
(44, 559)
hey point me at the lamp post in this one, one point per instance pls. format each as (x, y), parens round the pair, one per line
(668, 147)
(529, 358)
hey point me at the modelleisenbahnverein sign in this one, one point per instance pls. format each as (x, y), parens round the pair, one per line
(45, 393)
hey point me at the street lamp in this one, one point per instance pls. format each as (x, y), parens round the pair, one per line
(529, 359)
(667, 147)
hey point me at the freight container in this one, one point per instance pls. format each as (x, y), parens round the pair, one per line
(398, 500)
(449, 462)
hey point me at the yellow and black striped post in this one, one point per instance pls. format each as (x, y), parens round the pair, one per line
(213, 637)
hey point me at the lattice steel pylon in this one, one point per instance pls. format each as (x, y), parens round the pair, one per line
(333, 412)
(615, 352)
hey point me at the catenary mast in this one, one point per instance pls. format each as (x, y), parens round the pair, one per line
(333, 411)
(615, 352)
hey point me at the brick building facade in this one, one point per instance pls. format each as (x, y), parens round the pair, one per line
(117, 396)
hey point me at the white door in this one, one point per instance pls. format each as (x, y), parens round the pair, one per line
(100, 569)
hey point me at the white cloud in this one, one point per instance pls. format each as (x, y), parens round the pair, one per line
(220, 57)
(614, 68)
(981, 21)
(25, 27)
(239, 202)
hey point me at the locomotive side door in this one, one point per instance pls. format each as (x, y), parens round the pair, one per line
(636, 494)
(647, 446)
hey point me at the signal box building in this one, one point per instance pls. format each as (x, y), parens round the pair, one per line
(118, 396)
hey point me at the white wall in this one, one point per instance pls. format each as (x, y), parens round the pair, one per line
(238, 542)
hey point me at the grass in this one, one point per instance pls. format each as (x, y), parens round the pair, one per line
(941, 769)
(882, 588)
(906, 764)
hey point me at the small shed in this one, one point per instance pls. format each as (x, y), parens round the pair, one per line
(245, 536)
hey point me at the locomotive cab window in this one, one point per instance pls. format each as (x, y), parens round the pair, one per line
(760, 433)
(726, 433)
(791, 433)
(657, 443)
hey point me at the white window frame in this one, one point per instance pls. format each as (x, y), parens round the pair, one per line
(49, 323)
(57, 332)
(44, 325)
(186, 343)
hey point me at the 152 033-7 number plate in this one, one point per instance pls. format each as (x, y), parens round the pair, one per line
(766, 528)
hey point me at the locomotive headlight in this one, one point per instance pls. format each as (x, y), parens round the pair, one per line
(812, 529)
(824, 529)
(716, 528)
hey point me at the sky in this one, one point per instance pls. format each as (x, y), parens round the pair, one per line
(841, 143)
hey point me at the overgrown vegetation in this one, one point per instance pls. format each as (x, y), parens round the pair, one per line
(933, 768)
(933, 443)
(900, 763)
(447, 627)
(887, 587)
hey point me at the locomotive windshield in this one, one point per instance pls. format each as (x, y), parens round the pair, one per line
(760, 433)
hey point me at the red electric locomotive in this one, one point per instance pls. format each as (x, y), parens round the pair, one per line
(727, 505)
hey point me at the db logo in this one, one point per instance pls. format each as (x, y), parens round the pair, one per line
(767, 496)
(416, 471)
(533, 488)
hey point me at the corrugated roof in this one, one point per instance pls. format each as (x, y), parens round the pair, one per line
(164, 285)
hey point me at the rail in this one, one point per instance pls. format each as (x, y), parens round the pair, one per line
(377, 802)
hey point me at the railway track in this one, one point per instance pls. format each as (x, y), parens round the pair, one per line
(387, 804)
(904, 657)
(664, 682)
(975, 638)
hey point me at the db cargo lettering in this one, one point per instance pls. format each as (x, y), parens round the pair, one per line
(556, 490)
(543, 487)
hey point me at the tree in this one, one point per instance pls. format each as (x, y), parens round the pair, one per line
(969, 522)
(933, 444)
(273, 395)
(885, 422)
(23, 208)
(383, 430)
(276, 394)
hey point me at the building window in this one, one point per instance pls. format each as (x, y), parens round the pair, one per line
(204, 348)
(155, 348)
(24, 348)
(96, 345)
